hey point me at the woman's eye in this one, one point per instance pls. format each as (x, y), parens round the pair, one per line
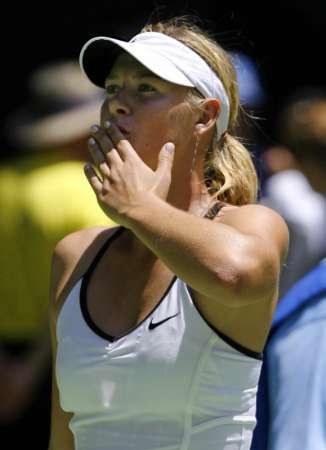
(112, 89)
(143, 87)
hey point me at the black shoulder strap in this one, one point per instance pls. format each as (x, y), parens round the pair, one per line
(213, 211)
(103, 248)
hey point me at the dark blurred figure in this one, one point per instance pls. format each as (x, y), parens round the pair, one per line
(44, 195)
(296, 187)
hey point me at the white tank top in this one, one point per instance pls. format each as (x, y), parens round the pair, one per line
(172, 382)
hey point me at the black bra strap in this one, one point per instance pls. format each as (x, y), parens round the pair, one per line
(213, 211)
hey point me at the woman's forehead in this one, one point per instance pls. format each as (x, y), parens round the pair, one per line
(126, 63)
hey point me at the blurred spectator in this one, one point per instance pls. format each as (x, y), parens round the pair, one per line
(44, 195)
(251, 91)
(291, 400)
(291, 395)
(253, 100)
(296, 187)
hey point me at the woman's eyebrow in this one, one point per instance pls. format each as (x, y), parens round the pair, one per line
(115, 76)
(152, 76)
(112, 76)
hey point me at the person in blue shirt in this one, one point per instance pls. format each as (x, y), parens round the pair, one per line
(291, 402)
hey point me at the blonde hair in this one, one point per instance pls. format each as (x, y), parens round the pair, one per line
(229, 172)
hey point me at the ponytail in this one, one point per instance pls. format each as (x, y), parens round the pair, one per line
(229, 172)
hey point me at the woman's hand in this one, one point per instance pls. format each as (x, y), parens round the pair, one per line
(126, 179)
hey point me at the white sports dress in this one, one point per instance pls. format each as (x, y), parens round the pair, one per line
(173, 382)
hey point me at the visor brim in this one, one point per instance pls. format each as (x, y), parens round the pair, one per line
(98, 55)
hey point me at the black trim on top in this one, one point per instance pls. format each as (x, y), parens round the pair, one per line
(112, 237)
(88, 319)
(83, 294)
(214, 210)
(228, 340)
(256, 355)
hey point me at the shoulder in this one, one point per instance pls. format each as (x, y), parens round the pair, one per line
(71, 256)
(258, 221)
(250, 214)
(262, 249)
(76, 242)
(73, 244)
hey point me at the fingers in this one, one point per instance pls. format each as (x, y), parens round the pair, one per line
(101, 138)
(118, 139)
(98, 157)
(93, 179)
(109, 148)
(165, 160)
(102, 151)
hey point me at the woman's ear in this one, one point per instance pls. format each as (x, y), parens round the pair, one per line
(211, 108)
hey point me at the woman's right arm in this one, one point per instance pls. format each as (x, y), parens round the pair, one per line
(61, 438)
(67, 265)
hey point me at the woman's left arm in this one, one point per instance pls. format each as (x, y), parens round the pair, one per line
(236, 259)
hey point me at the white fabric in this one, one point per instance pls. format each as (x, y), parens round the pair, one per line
(178, 386)
(304, 210)
(296, 200)
(173, 61)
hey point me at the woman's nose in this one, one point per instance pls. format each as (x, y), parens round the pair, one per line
(119, 106)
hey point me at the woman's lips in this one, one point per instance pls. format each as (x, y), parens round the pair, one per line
(123, 129)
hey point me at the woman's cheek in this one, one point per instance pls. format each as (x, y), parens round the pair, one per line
(104, 111)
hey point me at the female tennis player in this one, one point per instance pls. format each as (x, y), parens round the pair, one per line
(158, 324)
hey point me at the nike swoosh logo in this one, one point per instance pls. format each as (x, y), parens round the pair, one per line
(156, 324)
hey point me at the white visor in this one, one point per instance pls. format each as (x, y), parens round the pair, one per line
(163, 55)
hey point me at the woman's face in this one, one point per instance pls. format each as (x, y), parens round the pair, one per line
(149, 111)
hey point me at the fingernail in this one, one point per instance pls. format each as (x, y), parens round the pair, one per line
(169, 147)
(94, 128)
(92, 141)
(107, 124)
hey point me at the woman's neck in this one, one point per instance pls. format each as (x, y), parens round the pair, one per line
(180, 199)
